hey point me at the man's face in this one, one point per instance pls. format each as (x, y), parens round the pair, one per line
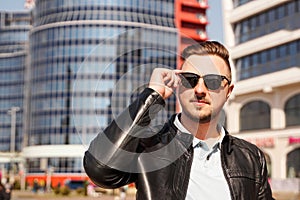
(199, 103)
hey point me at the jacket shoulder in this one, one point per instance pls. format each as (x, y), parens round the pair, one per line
(234, 142)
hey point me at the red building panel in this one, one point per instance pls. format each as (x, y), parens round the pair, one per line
(191, 21)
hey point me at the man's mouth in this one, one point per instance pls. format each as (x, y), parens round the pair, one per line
(200, 101)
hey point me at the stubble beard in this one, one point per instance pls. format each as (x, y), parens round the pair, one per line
(199, 117)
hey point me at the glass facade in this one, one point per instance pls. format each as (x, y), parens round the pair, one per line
(282, 17)
(89, 60)
(237, 3)
(11, 95)
(61, 165)
(269, 60)
(156, 12)
(14, 28)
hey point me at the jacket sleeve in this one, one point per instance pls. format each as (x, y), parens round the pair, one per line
(265, 192)
(111, 159)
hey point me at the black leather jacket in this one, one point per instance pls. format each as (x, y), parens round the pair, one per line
(159, 160)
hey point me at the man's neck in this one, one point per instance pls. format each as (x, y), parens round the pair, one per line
(202, 131)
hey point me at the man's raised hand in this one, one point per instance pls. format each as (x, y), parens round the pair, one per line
(164, 81)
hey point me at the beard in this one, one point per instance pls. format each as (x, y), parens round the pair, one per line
(200, 116)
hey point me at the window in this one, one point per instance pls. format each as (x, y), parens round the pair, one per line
(293, 164)
(292, 111)
(255, 115)
(274, 19)
(269, 60)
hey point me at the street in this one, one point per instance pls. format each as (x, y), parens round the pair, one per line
(28, 195)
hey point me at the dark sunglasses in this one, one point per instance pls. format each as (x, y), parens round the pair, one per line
(211, 81)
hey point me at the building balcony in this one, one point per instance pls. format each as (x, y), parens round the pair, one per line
(196, 34)
(202, 4)
(196, 18)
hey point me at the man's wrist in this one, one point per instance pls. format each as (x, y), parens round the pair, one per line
(157, 90)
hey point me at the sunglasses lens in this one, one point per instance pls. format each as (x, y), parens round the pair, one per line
(189, 80)
(212, 82)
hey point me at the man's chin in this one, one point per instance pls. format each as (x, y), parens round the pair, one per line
(204, 120)
(201, 119)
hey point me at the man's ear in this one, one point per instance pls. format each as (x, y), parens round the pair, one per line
(230, 89)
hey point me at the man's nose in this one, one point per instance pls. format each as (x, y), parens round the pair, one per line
(200, 87)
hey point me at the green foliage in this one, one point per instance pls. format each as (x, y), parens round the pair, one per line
(65, 190)
(17, 185)
(56, 190)
(80, 190)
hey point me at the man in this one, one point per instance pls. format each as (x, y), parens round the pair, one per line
(191, 156)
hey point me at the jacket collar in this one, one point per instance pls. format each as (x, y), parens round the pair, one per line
(227, 142)
(185, 138)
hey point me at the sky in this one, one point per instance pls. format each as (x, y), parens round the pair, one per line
(214, 14)
(215, 26)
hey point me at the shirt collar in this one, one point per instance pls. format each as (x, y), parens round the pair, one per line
(196, 141)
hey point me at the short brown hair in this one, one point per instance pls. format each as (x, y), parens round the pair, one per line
(207, 48)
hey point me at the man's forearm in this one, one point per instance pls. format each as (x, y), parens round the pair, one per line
(112, 155)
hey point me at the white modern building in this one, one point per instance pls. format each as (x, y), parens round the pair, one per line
(264, 39)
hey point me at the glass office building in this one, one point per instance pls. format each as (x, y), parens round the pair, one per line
(14, 29)
(89, 60)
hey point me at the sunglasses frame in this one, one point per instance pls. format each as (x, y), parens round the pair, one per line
(193, 75)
